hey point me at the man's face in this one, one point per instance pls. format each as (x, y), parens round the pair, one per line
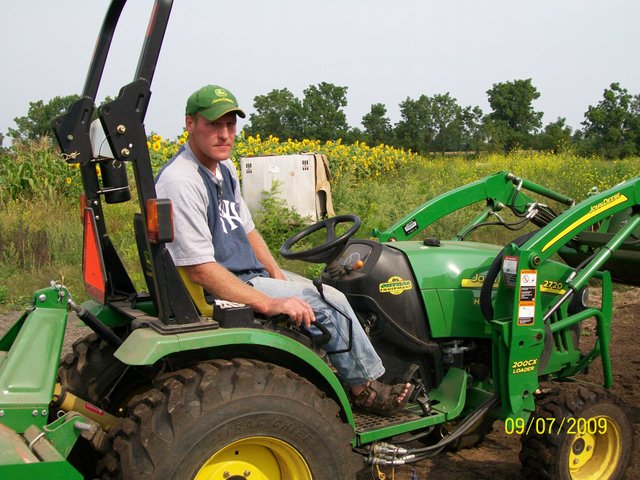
(211, 141)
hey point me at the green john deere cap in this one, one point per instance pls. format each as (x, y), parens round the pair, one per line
(212, 102)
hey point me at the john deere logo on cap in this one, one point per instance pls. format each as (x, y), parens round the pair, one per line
(221, 92)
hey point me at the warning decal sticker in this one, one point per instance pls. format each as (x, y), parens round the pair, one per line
(527, 299)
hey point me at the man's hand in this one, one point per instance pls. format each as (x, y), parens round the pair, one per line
(216, 279)
(298, 310)
(223, 284)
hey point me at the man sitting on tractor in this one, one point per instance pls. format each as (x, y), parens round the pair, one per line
(217, 243)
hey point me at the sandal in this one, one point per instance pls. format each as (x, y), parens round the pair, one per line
(381, 399)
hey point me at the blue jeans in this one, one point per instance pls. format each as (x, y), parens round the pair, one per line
(361, 363)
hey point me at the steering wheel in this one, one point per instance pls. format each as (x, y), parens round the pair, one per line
(332, 246)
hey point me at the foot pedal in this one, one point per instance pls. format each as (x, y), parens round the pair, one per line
(420, 391)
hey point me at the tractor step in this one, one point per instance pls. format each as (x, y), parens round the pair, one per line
(366, 422)
(446, 401)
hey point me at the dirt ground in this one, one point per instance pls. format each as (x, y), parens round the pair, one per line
(497, 457)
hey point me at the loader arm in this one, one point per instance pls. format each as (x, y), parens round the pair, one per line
(529, 341)
(497, 190)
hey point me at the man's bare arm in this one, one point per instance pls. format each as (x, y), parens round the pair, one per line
(263, 254)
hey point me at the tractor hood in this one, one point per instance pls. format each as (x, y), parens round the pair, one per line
(450, 265)
(426, 291)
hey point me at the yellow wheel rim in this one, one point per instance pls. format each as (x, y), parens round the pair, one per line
(595, 449)
(255, 458)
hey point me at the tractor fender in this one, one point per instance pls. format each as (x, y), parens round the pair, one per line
(145, 346)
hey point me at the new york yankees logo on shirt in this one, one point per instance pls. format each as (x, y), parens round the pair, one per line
(229, 215)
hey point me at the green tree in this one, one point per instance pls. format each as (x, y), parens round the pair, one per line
(473, 132)
(429, 124)
(377, 127)
(415, 130)
(323, 114)
(513, 121)
(37, 122)
(353, 135)
(556, 136)
(634, 121)
(446, 116)
(278, 113)
(612, 128)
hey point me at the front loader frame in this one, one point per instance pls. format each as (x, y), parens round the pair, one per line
(519, 337)
(498, 191)
(530, 341)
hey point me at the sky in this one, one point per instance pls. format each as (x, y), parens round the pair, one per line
(383, 51)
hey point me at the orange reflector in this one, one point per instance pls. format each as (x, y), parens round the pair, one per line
(93, 270)
(159, 220)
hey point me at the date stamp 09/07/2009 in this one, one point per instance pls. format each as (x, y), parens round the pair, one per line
(555, 426)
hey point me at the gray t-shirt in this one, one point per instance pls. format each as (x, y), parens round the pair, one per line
(181, 182)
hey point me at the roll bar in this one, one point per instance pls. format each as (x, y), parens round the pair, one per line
(123, 122)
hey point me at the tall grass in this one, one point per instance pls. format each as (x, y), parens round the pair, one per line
(380, 202)
(41, 233)
(40, 240)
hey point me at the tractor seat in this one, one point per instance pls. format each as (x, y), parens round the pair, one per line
(225, 313)
(196, 292)
(202, 303)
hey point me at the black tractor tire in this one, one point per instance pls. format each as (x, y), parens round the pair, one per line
(473, 438)
(90, 370)
(92, 373)
(594, 442)
(232, 419)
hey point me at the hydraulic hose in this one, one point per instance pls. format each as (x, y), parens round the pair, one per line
(486, 306)
(464, 426)
(388, 454)
(96, 325)
(318, 284)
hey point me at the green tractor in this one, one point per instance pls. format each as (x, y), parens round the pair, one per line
(173, 386)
